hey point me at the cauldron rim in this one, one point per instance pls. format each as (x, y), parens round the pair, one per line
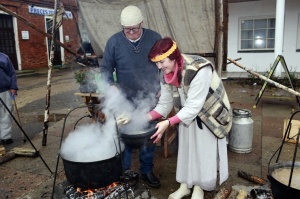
(148, 130)
(90, 162)
(282, 165)
(141, 135)
(137, 140)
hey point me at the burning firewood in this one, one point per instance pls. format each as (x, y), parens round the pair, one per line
(251, 178)
(222, 194)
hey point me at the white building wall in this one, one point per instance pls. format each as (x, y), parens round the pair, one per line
(262, 61)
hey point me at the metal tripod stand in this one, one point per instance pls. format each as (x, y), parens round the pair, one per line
(26, 136)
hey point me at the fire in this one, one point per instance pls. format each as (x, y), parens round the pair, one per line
(116, 190)
(112, 185)
(90, 193)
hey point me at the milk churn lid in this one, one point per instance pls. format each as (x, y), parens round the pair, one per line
(241, 113)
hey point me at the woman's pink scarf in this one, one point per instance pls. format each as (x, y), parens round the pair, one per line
(172, 77)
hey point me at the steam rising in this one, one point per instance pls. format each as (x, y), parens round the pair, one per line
(115, 102)
(90, 143)
(95, 142)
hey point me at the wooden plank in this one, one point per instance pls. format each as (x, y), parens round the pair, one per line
(24, 152)
(7, 157)
(2, 150)
(295, 126)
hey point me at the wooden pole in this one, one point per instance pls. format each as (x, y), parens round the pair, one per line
(28, 23)
(46, 116)
(265, 78)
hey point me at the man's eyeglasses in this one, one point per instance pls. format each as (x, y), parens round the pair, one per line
(134, 30)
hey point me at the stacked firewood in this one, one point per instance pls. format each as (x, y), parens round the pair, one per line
(17, 151)
(262, 193)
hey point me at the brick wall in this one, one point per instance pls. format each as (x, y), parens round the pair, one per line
(33, 51)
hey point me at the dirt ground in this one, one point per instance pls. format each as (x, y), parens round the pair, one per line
(27, 177)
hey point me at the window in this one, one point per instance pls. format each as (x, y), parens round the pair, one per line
(257, 34)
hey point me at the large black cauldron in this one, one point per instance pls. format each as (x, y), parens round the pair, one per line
(280, 190)
(137, 138)
(93, 175)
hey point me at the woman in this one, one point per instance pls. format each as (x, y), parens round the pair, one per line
(185, 84)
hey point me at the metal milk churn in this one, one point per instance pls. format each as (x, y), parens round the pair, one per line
(241, 134)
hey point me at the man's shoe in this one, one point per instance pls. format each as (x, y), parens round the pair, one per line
(151, 180)
(7, 141)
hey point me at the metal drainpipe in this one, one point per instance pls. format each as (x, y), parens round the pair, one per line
(278, 48)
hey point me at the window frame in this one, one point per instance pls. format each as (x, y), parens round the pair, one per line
(240, 49)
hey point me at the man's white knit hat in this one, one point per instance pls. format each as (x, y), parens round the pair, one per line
(131, 16)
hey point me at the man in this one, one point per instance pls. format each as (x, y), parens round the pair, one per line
(126, 53)
(8, 89)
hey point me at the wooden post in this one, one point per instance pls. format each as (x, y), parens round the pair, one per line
(54, 28)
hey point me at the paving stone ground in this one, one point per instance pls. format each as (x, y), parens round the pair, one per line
(26, 177)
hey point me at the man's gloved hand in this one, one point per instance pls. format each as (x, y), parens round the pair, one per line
(122, 119)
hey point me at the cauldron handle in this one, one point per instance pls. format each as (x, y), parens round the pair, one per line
(283, 141)
(117, 152)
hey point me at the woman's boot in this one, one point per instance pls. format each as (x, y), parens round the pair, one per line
(197, 193)
(181, 192)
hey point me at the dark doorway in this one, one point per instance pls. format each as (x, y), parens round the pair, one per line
(7, 38)
(57, 53)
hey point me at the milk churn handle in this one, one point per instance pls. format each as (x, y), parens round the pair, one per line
(237, 111)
